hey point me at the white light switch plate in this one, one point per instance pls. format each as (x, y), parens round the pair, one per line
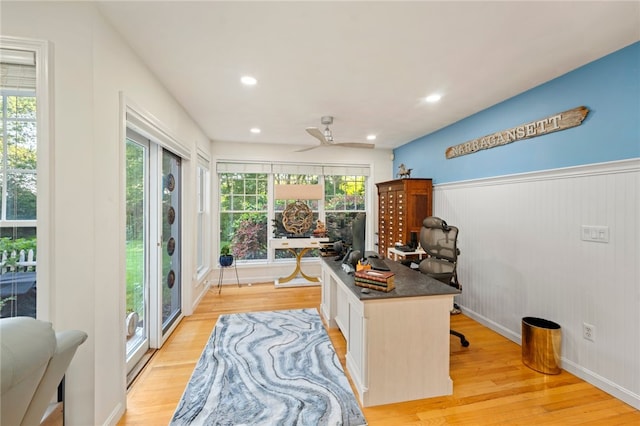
(598, 234)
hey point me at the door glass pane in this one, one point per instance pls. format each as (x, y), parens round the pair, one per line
(135, 324)
(171, 238)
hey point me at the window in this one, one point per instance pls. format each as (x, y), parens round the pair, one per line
(250, 214)
(280, 205)
(18, 182)
(18, 164)
(344, 198)
(243, 214)
(203, 231)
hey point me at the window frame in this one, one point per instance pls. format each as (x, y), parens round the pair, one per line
(46, 178)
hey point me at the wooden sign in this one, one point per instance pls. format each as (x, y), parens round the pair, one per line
(554, 123)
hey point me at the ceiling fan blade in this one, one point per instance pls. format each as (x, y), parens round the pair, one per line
(355, 145)
(322, 137)
(309, 148)
(316, 133)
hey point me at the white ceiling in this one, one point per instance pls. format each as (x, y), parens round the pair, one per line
(368, 64)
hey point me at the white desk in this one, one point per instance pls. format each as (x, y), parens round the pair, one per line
(397, 342)
(297, 246)
(397, 255)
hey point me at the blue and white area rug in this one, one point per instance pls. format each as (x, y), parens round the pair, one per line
(269, 368)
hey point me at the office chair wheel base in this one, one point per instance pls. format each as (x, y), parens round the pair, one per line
(464, 343)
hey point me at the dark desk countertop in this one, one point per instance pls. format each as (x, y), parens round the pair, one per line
(408, 283)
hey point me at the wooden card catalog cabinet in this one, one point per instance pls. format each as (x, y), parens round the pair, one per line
(402, 206)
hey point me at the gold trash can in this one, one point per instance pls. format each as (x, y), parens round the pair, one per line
(541, 345)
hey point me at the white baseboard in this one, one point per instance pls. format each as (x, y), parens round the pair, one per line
(297, 282)
(516, 338)
(600, 382)
(114, 417)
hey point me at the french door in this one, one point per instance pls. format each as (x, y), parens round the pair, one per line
(153, 244)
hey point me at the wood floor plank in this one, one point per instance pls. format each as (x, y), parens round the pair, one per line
(491, 385)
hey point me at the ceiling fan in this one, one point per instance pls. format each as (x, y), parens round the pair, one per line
(326, 137)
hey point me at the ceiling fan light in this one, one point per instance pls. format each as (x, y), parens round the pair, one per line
(327, 134)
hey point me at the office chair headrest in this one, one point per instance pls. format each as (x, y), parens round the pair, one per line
(435, 222)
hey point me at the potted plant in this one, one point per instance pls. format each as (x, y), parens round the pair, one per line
(226, 258)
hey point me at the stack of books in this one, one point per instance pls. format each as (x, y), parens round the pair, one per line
(376, 280)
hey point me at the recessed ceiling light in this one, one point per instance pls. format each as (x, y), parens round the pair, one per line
(255, 130)
(371, 137)
(248, 80)
(433, 98)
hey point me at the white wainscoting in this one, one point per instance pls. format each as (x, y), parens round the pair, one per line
(522, 255)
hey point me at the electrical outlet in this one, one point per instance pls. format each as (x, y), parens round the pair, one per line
(588, 332)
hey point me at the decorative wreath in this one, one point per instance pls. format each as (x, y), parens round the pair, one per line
(297, 218)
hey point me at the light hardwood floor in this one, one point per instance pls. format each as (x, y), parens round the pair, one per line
(491, 386)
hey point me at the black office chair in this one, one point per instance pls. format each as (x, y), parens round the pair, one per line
(439, 241)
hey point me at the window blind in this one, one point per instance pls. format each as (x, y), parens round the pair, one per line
(203, 158)
(17, 70)
(243, 168)
(297, 169)
(346, 170)
(292, 168)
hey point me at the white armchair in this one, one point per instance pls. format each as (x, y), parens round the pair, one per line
(33, 361)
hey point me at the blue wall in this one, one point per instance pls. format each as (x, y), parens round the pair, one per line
(609, 87)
